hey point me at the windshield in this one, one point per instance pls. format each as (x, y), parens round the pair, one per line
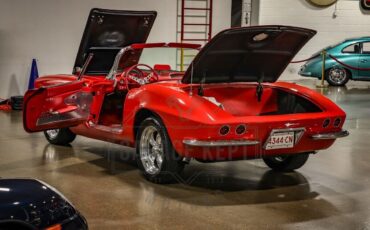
(176, 58)
(172, 59)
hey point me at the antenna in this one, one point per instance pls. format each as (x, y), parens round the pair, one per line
(191, 79)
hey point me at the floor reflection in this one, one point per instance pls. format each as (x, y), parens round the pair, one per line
(220, 178)
(52, 153)
(268, 188)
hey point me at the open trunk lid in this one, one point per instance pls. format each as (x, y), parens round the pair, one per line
(247, 54)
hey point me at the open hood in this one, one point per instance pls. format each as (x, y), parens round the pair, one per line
(106, 32)
(247, 54)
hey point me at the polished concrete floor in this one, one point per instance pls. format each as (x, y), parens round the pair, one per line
(332, 191)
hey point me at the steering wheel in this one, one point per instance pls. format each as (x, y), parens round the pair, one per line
(137, 76)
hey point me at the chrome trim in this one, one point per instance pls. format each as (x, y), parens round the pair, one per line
(113, 71)
(330, 136)
(220, 143)
(298, 133)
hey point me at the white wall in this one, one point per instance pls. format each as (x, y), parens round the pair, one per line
(221, 15)
(50, 31)
(350, 22)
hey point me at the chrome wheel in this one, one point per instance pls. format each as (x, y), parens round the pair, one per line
(151, 150)
(52, 133)
(337, 75)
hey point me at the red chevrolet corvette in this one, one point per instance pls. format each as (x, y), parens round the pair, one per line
(227, 105)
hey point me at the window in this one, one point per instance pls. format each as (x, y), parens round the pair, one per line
(366, 48)
(354, 48)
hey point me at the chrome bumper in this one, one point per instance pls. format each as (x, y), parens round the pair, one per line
(222, 143)
(329, 136)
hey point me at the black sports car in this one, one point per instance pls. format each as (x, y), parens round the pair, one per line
(32, 204)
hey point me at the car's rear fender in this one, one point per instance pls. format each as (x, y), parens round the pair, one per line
(172, 105)
(187, 117)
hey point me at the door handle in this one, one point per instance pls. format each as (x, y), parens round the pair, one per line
(363, 61)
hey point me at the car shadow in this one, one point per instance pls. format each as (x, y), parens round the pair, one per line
(220, 179)
(214, 185)
(215, 188)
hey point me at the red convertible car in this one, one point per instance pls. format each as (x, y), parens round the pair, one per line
(227, 105)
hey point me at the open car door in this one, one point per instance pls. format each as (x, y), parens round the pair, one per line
(56, 106)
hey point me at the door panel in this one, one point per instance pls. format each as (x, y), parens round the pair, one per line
(57, 106)
(364, 60)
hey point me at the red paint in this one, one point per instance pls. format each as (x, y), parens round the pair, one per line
(187, 116)
(63, 101)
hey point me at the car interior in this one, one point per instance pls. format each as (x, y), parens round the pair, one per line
(127, 77)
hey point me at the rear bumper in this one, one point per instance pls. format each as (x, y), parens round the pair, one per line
(330, 136)
(234, 149)
(221, 143)
(232, 143)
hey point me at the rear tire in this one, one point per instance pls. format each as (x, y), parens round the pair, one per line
(155, 155)
(62, 136)
(286, 163)
(337, 76)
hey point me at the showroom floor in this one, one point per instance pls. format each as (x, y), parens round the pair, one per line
(330, 192)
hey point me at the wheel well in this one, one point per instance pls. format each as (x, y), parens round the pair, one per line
(349, 73)
(140, 116)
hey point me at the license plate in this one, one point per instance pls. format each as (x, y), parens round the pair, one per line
(281, 140)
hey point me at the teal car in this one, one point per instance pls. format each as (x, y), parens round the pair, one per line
(354, 55)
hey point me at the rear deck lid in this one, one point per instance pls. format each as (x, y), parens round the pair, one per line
(107, 31)
(247, 54)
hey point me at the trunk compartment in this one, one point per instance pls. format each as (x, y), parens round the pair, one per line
(243, 101)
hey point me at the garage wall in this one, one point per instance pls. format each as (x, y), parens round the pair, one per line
(50, 30)
(349, 22)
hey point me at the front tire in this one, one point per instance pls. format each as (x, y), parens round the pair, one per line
(62, 136)
(286, 163)
(337, 76)
(155, 155)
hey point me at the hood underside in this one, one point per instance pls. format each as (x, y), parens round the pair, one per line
(106, 32)
(247, 54)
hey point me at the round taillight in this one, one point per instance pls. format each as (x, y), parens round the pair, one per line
(337, 122)
(240, 129)
(326, 123)
(224, 130)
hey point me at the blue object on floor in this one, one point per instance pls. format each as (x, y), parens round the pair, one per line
(34, 74)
